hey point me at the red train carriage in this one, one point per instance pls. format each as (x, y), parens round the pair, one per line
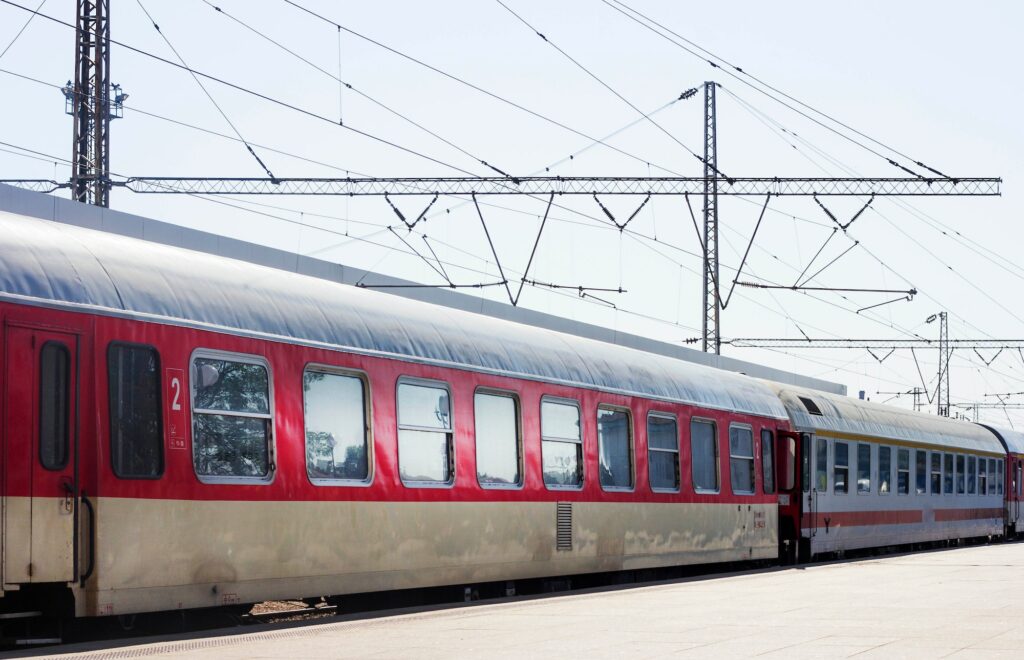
(182, 430)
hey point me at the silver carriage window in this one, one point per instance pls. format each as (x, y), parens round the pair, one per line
(497, 439)
(663, 452)
(425, 434)
(841, 469)
(902, 471)
(136, 433)
(741, 459)
(821, 468)
(921, 471)
(863, 467)
(704, 450)
(982, 476)
(991, 476)
(230, 418)
(936, 473)
(54, 406)
(767, 461)
(615, 448)
(336, 429)
(884, 470)
(1000, 475)
(961, 480)
(971, 471)
(947, 474)
(561, 444)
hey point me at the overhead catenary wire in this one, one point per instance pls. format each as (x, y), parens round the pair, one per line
(205, 91)
(741, 75)
(22, 30)
(473, 86)
(346, 85)
(265, 97)
(611, 89)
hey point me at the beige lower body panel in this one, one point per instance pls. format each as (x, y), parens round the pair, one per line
(166, 554)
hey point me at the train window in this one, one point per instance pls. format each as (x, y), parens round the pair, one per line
(561, 443)
(921, 471)
(821, 466)
(884, 470)
(335, 414)
(615, 448)
(741, 459)
(231, 417)
(767, 461)
(136, 431)
(498, 445)
(1020, 470)
(663, 452)
(54, 408)
(425, 438)
(947, 474)
(841, 469)
(971, 470)
(902, 471)
(982, 476)
(704, 450)
(863, 467)
(961, 476)
(936, 473)
(1000, 475)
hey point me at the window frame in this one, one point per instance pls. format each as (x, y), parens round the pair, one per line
(632, 447)
(920, 475)
(836, 467)
(678, 452)
(909, 470)
(367, 426)
(160, 409)
(581, 443)
(769, 435)
(948, 473)
(512, 394)
(752, 459)
(971, 474)
(450, 432)
(887, 481)
(718, 457)
(934, 456)
(271, 417)
(819, 469)
(68, 419)
(871, 465)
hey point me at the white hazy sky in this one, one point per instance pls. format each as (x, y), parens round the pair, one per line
(937, 80)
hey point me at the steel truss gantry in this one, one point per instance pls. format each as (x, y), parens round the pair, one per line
(545, 185)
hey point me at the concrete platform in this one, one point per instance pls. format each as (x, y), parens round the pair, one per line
(960, 603)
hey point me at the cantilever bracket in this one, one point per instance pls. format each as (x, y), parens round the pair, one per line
(409, 225)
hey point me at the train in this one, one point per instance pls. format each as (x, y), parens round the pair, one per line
(182, 430)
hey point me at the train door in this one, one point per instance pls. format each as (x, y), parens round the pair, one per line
(40, 466)
(787, 480)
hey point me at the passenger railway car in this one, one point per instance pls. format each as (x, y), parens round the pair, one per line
(1013, 443)
(877, 476)
(181, 430)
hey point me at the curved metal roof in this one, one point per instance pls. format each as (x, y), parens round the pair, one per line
(46, 262)
(1014, 440)
(841, 414)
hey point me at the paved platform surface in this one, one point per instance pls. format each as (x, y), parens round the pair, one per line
(960, 603)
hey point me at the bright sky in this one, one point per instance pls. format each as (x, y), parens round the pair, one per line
(933, 80)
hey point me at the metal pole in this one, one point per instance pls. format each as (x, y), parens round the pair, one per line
(90, 162)
(942, 395)
(712, 301)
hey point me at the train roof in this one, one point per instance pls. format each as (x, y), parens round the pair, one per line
(820, 411)
(44, 262)
(1014, 440)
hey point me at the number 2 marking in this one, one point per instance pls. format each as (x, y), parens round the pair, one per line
(176, 386)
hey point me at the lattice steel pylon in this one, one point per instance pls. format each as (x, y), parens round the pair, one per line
(942, 389)
(712, 300)
(90, 105)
